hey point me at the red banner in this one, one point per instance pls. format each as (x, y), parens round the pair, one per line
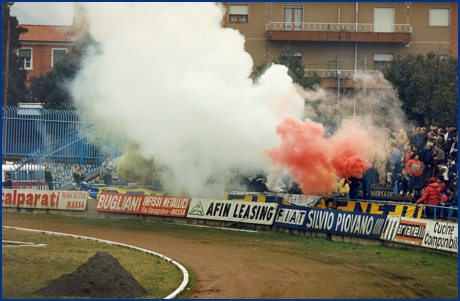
(143, 204)
(44, 199)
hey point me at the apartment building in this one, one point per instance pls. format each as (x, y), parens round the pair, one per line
(343, 39)
(43, 45)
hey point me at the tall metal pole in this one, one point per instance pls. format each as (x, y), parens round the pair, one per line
(7, 67)
(338, 98)
(364, 87)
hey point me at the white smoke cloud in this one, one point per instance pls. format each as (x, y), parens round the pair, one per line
(175, 82)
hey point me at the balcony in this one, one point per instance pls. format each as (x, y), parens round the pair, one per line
(337, 32)
(351, 79)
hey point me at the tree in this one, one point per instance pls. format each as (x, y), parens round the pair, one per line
(296, 70)
(51, 88)
(427, 87)
(14, 78)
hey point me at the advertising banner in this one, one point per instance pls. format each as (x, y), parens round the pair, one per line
(330, 221)
(143, 204)
(235, 211)
(441, 236)
(280, 198)
(44, 199)
(375, 208)
(95, 191)
(404, 230)
(422, 232)
(248, 197)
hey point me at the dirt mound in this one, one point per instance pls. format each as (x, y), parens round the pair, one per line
(102, 276)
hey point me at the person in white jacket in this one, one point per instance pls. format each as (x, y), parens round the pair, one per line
(107, 171)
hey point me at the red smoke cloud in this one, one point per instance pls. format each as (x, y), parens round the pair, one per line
(314, 161)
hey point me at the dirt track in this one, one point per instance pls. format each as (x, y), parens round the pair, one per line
(247, 268)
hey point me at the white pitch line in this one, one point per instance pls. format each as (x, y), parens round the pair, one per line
(173, 295)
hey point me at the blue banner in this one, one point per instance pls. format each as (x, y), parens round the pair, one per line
(95, 191)
(331, 221)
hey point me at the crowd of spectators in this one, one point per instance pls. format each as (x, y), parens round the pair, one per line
(420, 166)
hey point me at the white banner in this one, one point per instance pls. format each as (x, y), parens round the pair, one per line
(442, 236)
(44, 199)
(235, 211)
(422, 232)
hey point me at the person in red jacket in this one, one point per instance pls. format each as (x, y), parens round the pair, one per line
(414, 168)
(430, 197)
(442, 184)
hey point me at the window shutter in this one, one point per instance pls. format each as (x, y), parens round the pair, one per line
(238, 9)
(25, 53)
(383, 57)
(439, 16)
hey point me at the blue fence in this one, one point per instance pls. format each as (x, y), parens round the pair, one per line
(60, 139)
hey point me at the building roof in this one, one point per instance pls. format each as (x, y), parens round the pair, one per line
(47, 33)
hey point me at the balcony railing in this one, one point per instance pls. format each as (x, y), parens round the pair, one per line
(337, 27)
(344, 74)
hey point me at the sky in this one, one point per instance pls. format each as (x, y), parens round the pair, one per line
(43, 13)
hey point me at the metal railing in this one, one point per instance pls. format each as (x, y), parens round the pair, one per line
(345, 74)
(438, 209)
(59, 139)
(338, 27)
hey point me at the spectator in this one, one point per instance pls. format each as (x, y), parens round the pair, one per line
(366, 183)
(427, 160)
(452, 194)
(432, 138)
(413, 149)
(423, 137)
(107, 171)
(445, 174)
(452, 131)
(381, 165)
(390, 141)
(341, 190)
(354, 183)
(442, 184)
(259, 183)
(451, 170)
(49, 178)
(441, 132)
(414, 168)
(454, 148)
(7, 183)
(413, 135)
(403, 184)
(451, 202)
(443, 144)
(446, 133)
(416, 194)
(395, 163)
(79, 177)
(295, 189)
(418, 135)
(401, 140)
(439, 158)
(430, 197)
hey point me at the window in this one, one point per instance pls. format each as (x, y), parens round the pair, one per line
(382, 61)
(57, 54)
(439, 16)
(25, 54)
(293, 17)
(238, 13)
(384, 19)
